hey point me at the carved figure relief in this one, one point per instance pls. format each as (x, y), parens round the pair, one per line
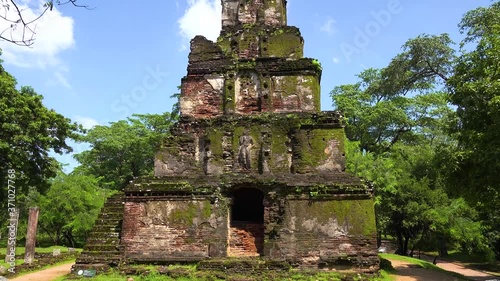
(244, 152)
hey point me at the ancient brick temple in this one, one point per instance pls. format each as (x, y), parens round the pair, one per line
(253, 168)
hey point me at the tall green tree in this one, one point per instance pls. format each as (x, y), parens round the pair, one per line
(379, 120)
(28, 133)
(400, 116)
(124, 149)
(475, 88)
(69, 208)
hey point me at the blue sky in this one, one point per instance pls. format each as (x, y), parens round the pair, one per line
(120, 58)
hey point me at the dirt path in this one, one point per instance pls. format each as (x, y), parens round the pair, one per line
(46, 274)
(411, 272)
(470, 273)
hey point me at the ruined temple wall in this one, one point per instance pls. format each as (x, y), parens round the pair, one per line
(333, 233)
(254, 11)
(261, 145)
(247, 92)
(173, 229)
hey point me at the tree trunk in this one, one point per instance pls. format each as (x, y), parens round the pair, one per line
(48, 233)
(400, 251)
(405, 249)
(69, 237)
(443, 249)
(58, 237)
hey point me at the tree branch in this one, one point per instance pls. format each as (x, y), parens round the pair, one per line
(26, 28)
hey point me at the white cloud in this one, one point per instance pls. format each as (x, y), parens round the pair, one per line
(328, 26)
(86, 122)
(54, 34)
(336, 60)
(202, 17)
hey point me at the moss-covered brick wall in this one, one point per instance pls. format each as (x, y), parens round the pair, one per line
(229, 97)
(329, 232)
(283, 43)
(170, 230)
(202, 97)
(270, 12)
(247, 92)
(248, 44)
(278, 143)
(275, 12)
(295, 93)
(317, 149)
(177, 155)
(280, 160)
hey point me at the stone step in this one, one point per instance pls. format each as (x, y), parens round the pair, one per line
(103, 243)
(243, 265)
(103, 235)
(96, 240)
(112, 209)
(107, 228)
(101, 247)
(99, 260)
(111, 215)
(107, 221)
(102, 267)
(100, 254)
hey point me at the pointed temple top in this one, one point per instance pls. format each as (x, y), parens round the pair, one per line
(267, 12)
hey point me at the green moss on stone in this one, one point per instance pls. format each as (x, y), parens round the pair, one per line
(215, 136)
(312, 83)
(279, 148)
(312, 144)
(357, 215)
(284, 45)
(187, 212)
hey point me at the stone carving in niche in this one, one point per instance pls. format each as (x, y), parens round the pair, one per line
(244, 152)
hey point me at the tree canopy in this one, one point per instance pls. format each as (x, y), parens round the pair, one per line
(28, 133)
(125, 149)
(69, 207)
(428, 127)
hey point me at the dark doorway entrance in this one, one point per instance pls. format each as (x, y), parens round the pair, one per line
(246, 234)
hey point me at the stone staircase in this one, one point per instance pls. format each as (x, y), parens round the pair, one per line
(103, 249)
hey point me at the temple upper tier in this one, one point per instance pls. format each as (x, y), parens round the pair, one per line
(257, 65)
(270, 12)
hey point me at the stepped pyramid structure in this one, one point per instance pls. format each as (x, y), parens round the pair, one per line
(253, 168)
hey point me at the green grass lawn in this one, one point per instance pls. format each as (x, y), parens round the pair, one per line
(41, 250)
(20, 251)
(46, 250)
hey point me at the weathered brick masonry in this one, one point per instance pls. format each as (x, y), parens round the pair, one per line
(253, 167)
